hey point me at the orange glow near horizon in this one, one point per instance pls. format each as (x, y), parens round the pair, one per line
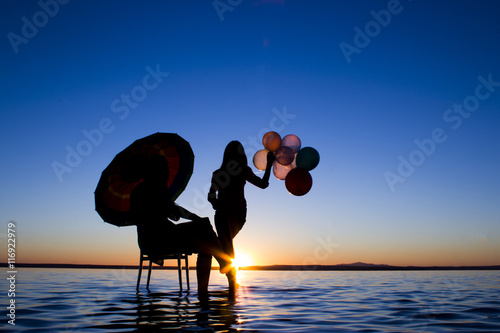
(242, 259)
(406, 257)
(125, 252)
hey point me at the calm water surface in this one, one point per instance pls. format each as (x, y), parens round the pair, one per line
(94, 300)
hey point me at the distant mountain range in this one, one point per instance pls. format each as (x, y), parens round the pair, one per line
(357, 266)
(361, 266)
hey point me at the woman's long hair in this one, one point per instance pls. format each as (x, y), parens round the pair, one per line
(234, 152)
(232, 168)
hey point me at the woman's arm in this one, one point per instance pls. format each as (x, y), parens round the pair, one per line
(264, 181)
(177, 212)
(212, 196)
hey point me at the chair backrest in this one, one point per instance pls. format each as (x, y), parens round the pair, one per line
(154, 240)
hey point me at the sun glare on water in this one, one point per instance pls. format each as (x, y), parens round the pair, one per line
(242, 259)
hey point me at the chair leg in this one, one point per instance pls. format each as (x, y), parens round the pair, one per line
(187, 271)
(140, 272)
(149, 273)
(179, 270)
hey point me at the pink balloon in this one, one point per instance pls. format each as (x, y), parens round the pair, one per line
(294, 163)
(280, 171)
(291, 141)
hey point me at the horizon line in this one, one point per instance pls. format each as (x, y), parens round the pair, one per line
(359, 266)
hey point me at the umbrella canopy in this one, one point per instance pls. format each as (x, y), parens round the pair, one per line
(126, 171)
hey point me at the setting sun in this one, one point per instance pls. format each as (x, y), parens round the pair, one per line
(242, 259)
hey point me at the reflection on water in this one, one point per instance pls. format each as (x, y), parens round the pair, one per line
(176, 311)
(85, 300)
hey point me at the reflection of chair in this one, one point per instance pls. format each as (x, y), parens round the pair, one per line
(159, 260)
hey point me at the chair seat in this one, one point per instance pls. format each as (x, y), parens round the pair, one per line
(159, 259)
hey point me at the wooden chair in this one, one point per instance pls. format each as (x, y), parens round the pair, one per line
(178, 256)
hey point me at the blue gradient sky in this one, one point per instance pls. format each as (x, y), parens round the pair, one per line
(233, 73)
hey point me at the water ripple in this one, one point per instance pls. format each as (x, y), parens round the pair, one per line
(106, 301)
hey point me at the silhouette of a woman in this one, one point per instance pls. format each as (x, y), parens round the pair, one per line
(227, 192)
(151, 210)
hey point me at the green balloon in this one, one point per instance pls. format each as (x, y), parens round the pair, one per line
(307, 158)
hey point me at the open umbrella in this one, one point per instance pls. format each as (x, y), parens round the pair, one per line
(126, 170)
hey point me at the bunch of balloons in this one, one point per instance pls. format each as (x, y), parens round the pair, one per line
(292, 164)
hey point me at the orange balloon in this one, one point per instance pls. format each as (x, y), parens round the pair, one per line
(298, 181)
(271, 141)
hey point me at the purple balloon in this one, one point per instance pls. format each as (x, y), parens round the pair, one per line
(284, 155)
